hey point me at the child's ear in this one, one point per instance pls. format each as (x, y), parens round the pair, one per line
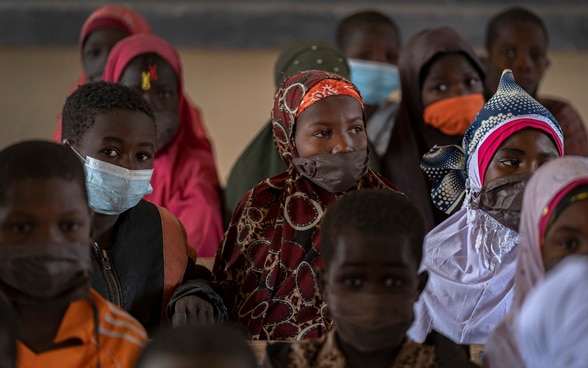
(423, 278)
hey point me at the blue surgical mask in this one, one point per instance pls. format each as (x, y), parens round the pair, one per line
(375, 81)
(113, 189)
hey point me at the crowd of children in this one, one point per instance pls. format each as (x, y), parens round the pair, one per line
(445, 249)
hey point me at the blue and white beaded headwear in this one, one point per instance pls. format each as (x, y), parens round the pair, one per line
(457, 170)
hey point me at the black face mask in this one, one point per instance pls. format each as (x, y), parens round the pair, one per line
(46, 273)
(502, 199)
(336, 172)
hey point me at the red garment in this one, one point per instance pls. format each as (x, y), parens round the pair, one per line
(109, 16)
(184, 179)
(574, 130)
(264, 267)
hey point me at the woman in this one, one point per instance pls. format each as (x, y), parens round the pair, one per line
(441, 80)
(556, 187)
(100, 32)
(471, 256)
(264, 265)
(185, 179)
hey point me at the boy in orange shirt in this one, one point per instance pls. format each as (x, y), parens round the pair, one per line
(45, 264)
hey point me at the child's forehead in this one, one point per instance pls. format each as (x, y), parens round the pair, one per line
(514, 26)
(374, 248)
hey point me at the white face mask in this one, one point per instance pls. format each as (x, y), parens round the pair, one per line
(375, 81)
(113, 189)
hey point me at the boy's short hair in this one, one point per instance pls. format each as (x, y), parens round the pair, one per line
(196, 341)
(92, 99)
(374, 212)
(361, 19)
(39, 160)
(509, 16)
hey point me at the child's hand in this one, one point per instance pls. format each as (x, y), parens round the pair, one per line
(192, 309)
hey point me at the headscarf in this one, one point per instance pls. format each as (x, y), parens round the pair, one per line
(552, 328)
(408, 143)
(184, 179)
(471, 257)
(545, 191)
(264, 267)
(110, 16)
(308, 55)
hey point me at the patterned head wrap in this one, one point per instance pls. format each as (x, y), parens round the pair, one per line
(298, 93)
(454, 169)
(308, 55)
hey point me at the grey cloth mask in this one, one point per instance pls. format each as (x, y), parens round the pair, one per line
(502, 199)
(334, 172)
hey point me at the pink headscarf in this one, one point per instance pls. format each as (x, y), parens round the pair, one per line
(545, 185)
(185, 179)
(110, 16)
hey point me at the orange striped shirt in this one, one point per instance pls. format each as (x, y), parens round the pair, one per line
(121, 339)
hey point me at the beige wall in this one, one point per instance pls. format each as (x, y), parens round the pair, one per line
(234, 90)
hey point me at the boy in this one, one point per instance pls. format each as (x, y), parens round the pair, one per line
(517, 39)
(45, 266)
(371, 244)
(213, 346)
(140, 251)
(371, 43)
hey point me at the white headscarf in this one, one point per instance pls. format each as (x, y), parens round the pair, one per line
(546, 183)
(471, 257)
(552, 328)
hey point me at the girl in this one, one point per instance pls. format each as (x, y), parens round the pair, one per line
(471, 256)
(264, 265)
(441, 80)
(553, 222)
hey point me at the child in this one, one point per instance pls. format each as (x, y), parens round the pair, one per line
(441, 79)
(552, 328)
(553, 220)
(213, 346)
(45, 265)
(140, 251)
(8, 334)
(264, 266)
(371, 242)
(371, 42)
(260, 160)
(184, 180)
(471, 256)
(517, 39)
(100, 32)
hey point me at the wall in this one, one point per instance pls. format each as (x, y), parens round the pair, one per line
(234, 89)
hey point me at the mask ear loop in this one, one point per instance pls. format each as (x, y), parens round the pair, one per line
(66, 142)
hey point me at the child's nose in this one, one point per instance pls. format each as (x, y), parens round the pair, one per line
(343, 144)
(523, 62)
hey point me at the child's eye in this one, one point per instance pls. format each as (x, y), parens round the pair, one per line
(110, 152)
(513, 163)
(393, 282)
(144, 156)
(165, 94)
(569, 244)
(510, 54)
(92, 53)
(21, 227)
(353, 282)
(441, 87)
(322, 134)
(473, 81)
(357, 129)
(70, 226)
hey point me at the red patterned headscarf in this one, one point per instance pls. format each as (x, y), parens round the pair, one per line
(265, 264)
(296, 94)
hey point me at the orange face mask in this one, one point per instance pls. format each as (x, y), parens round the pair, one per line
(452, 116)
